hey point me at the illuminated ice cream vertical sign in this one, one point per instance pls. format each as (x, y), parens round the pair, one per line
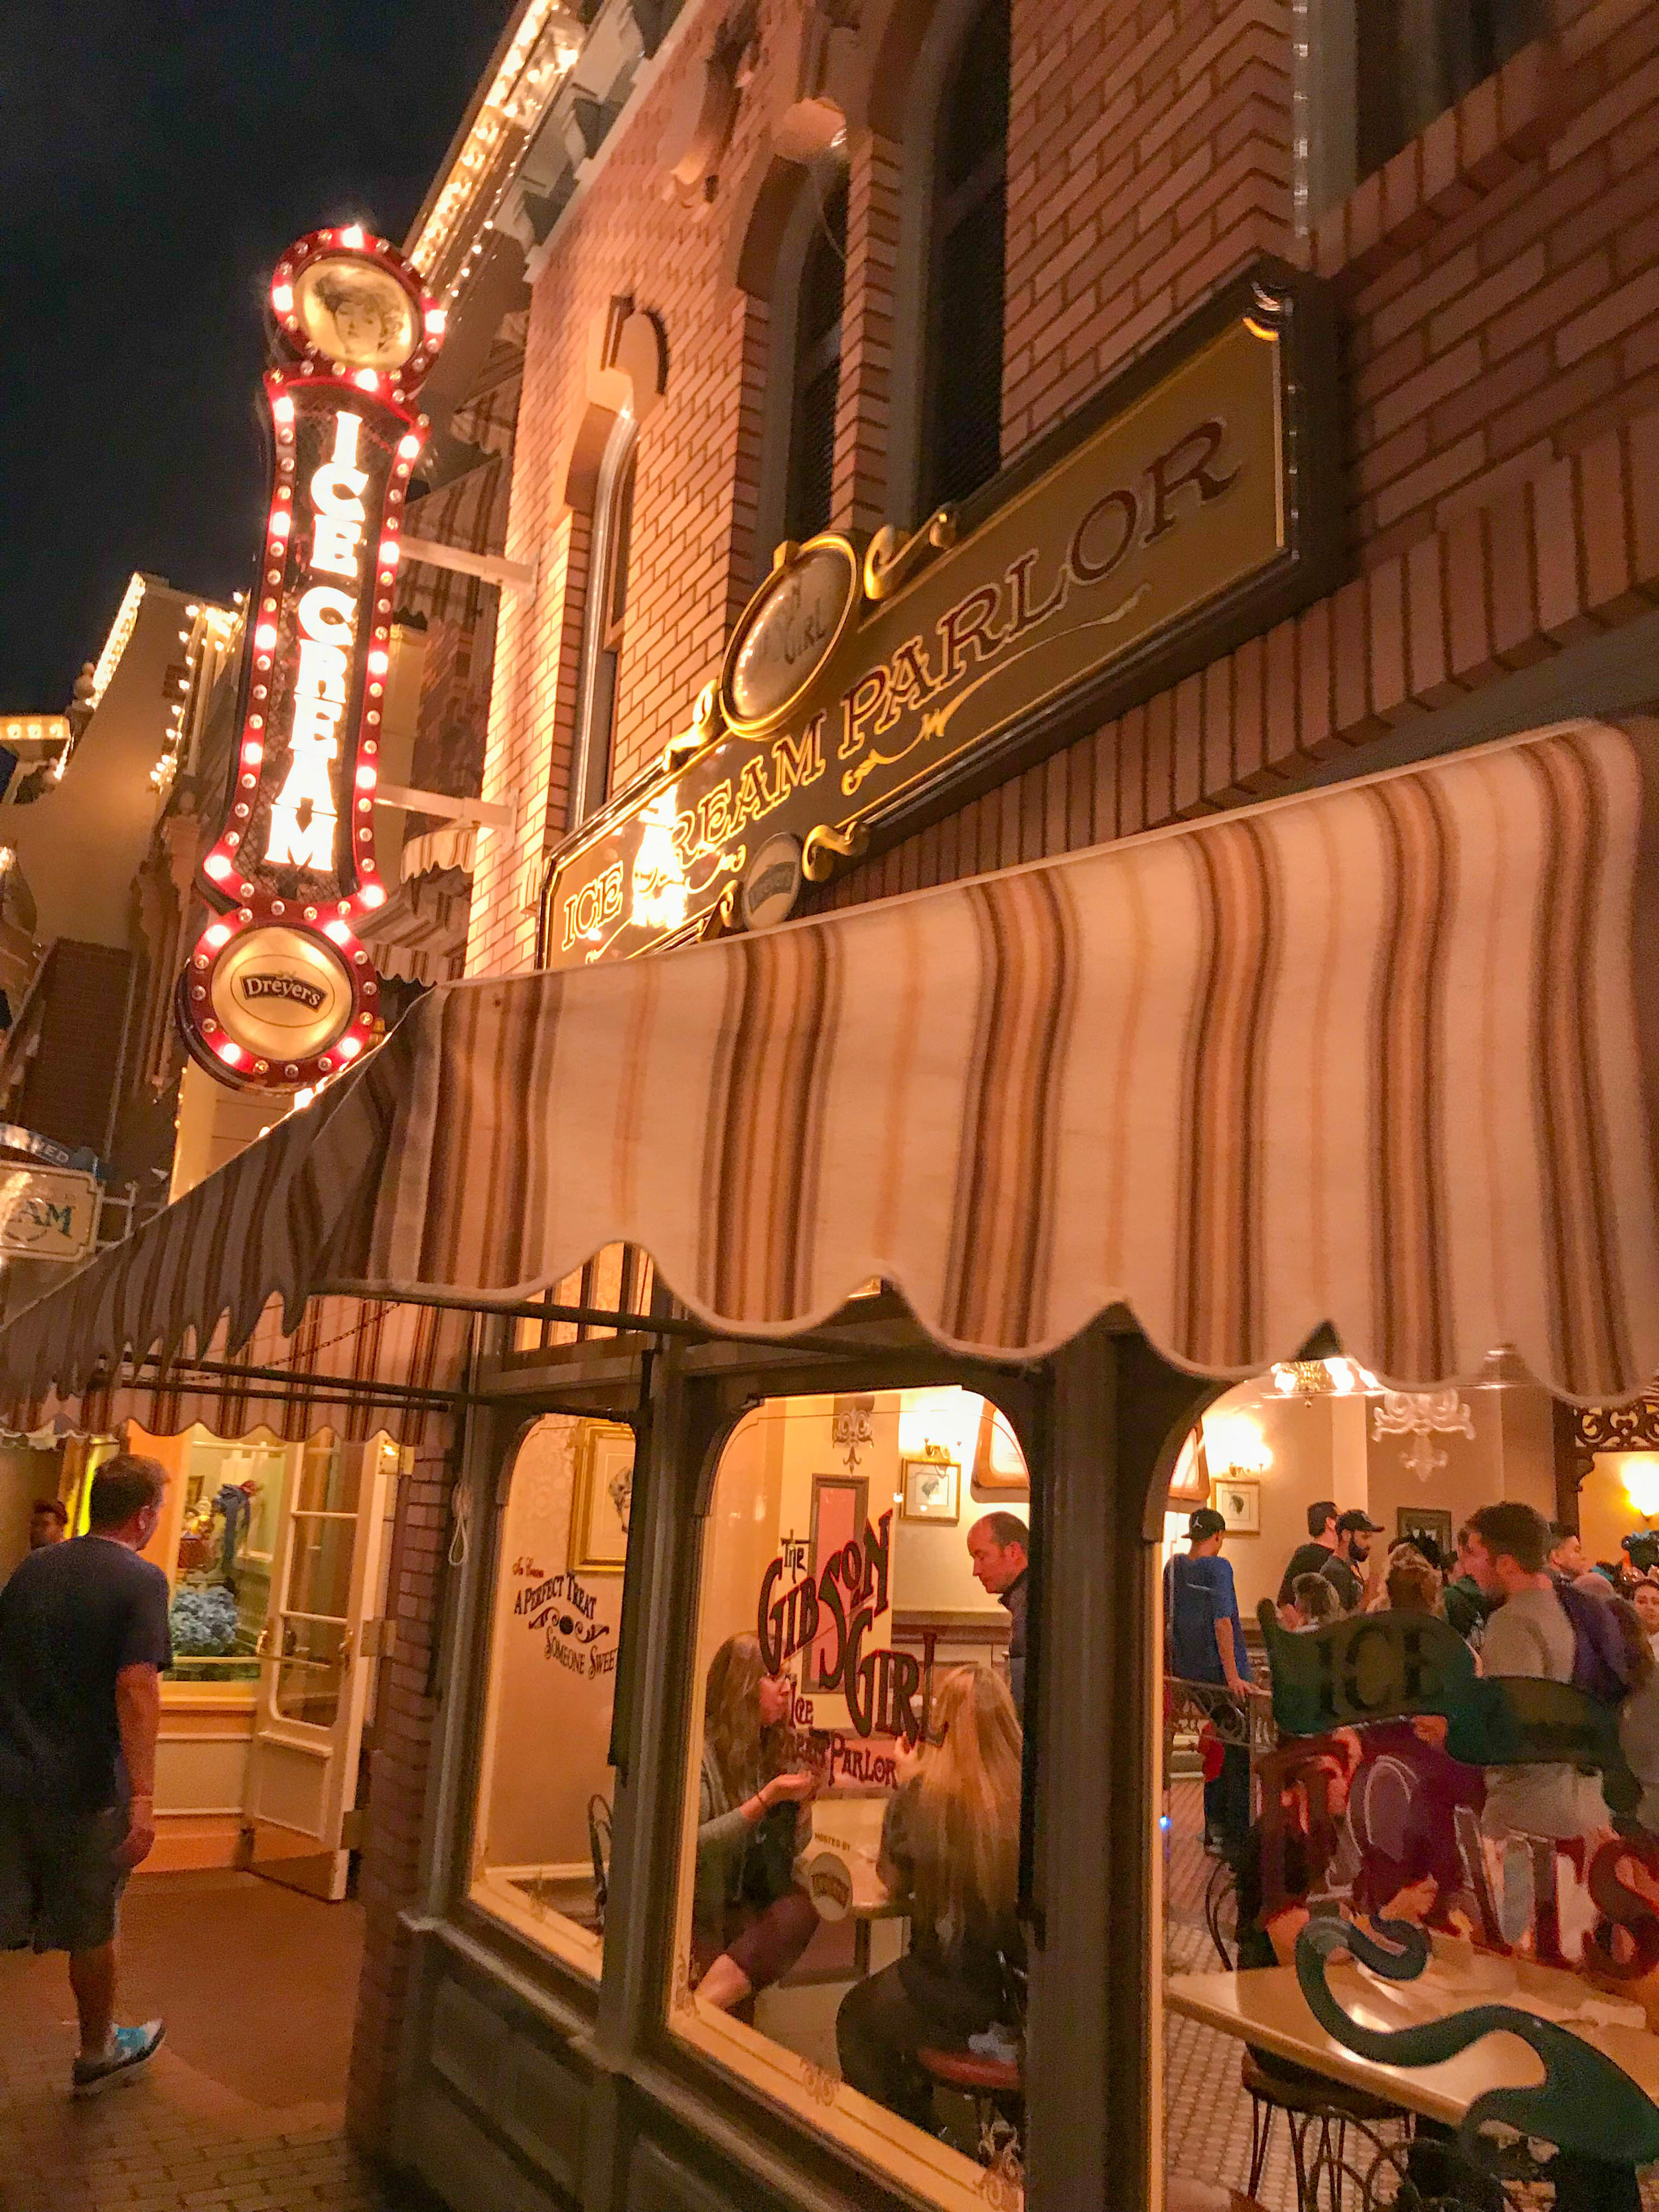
(279, 990)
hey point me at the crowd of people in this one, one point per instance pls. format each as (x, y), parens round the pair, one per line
(1520, 1592)
(949, 1852)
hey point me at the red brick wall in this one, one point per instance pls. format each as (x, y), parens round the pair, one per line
(1498, 289)
(1500, 280)
(398, 1765)
(1148, 160)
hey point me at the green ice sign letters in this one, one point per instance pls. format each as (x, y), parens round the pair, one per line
(1389, 1666)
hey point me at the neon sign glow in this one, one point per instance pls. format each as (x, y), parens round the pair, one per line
(279, 990)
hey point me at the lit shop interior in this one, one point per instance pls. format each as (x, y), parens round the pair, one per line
(1414, 1460)
(866, 1503)
(1387, 1839)
(276, 1555)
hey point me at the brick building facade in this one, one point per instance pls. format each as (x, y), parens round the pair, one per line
(1496, 289)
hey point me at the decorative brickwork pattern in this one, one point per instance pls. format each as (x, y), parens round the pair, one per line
(863, 402)
(1500, 279)
(398, 1768)
(1148, 160)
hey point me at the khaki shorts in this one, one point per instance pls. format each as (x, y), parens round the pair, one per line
(59, 1881)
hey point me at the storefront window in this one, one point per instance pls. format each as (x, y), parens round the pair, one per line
(847, 1938)
(541, 1846)
(230, 1511)
(1355, 1735)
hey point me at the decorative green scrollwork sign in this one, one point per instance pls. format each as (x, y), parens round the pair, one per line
(1400, 1666)
(1392, 1666)
(1584, 2104)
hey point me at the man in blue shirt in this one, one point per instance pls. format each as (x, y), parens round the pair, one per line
(84, 1644)
(1205, 1639)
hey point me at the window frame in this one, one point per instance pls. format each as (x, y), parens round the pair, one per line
(819, 183)
(931, 78)
(557, 1947)
(603, 625)
(1096, 1419)
(1328, 93)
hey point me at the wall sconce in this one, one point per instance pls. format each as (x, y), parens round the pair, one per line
(1640, 1471)
(1233, 1444)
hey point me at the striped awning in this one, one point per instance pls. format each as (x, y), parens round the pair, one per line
(1383, 1056)
(420, 934)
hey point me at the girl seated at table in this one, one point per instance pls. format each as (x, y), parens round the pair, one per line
(949, 1850)
(749, 1922)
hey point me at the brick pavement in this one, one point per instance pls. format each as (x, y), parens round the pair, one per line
(242, 2110)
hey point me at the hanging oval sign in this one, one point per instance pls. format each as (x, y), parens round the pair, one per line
(788, 634)
(773, 882)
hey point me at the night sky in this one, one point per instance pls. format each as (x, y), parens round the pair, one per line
(156, 157)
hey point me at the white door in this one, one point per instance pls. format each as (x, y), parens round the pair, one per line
(319, 1650)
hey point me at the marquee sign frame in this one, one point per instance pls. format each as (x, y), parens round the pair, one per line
(279, 990)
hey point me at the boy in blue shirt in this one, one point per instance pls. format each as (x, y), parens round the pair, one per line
(1205, 1639)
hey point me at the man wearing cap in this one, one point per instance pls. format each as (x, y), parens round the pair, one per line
(1310, 1558)
(1205, 1641)
(1354, 1531)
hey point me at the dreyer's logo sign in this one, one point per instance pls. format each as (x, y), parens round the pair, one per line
(295, 854)
(294, 988)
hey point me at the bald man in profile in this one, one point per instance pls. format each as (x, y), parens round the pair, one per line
(999, 1546)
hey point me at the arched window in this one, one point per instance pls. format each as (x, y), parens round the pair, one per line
(605, 620)
(816, 367)
(962, 404)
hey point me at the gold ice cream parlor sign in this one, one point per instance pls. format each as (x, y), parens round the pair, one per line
(868, 687)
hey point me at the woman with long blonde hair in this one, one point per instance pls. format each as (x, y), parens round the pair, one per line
(950, 1849)
(749, 1923)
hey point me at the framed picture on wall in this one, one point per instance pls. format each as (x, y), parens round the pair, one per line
(840, 1506)
(602, 1499)
(1415, 1520)
(931, 1489)
(1239, 1503)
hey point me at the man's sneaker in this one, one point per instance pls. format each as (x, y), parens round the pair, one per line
(128, 2048)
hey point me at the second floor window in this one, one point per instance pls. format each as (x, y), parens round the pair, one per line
(962, 437)
(1416, 58)
(607, 615)
(816, 373)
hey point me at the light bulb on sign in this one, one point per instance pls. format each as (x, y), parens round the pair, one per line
(216, 865)
(282, 299)
(282, 407)
(373, 895)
